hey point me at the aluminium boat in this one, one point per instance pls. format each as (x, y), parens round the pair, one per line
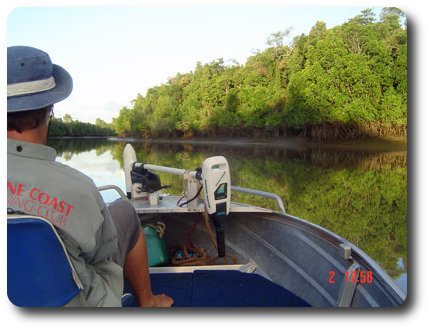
(211, 251)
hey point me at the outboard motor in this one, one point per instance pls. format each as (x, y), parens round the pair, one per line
(150, 181)
(129, 157)
(217, 195)
(140, 182)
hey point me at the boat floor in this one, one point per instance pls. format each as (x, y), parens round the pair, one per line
(218, 288)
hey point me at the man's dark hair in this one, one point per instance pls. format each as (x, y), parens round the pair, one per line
(25, 120)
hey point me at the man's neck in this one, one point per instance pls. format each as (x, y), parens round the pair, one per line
(32, 136)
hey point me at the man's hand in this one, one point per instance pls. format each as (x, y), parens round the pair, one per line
(158, 301)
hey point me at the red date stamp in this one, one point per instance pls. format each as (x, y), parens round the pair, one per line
(354, 276)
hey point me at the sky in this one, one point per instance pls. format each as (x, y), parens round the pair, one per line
(114, 53)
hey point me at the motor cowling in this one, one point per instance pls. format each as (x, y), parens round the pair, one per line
(217, 191)
(150, 181)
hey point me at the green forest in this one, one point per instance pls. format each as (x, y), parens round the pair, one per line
(346, 82)
(66, 126)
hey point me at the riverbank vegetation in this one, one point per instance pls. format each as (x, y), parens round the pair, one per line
(346, 82)
(66, 126)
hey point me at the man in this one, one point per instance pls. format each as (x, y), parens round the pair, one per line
(105, 243)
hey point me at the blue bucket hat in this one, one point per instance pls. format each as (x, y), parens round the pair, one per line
(33, 82)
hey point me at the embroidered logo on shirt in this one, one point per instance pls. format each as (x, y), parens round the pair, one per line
(32, 200)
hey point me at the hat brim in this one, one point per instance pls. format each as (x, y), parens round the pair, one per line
(63, 88)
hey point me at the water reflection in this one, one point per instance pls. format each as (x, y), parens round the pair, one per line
(358, 192)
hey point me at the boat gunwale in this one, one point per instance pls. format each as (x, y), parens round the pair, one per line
(356, 253)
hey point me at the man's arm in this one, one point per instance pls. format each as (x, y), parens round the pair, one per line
(137, 273)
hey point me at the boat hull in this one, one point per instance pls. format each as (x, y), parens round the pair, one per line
(308, 260)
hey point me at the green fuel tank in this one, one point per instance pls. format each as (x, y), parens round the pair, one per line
(156, 248)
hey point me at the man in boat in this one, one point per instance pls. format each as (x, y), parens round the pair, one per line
(105, 243)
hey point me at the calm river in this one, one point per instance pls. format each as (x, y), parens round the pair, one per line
(357, 191)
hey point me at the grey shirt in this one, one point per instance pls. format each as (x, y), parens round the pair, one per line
(38, 185)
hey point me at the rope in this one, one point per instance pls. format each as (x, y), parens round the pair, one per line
(208, 228)
(197, 257)
(191, 256)
(159, 227)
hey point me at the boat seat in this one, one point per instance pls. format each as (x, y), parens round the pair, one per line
(218, 288)
(39, 271)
